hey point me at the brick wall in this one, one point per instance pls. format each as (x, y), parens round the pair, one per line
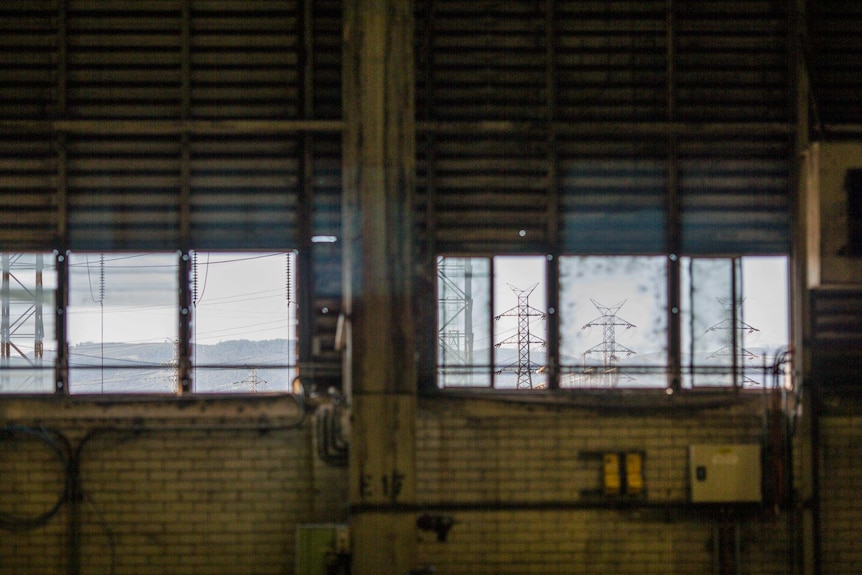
(516, 480)
(176, 495)
(840, 488)
(209, 495)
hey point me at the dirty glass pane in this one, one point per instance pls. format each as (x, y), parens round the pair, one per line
(520, 322)
(244, 319)
(734, 320)
(463, 316)
(123, 322)
(28, 341)
(707, 308)
(613, 321)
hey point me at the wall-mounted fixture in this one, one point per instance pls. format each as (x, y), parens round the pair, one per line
(728, 473)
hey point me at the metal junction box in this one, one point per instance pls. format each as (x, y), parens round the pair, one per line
(727, 473)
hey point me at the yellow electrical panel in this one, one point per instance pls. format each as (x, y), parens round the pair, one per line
(634, 473)
(612, 477)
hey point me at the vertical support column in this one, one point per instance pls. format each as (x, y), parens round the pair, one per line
(806, 439)
(379, 156)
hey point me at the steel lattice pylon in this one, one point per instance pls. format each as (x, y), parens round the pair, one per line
(523, 338)
(734, 328)
(609, 348)
(21, 314)
(455, 335)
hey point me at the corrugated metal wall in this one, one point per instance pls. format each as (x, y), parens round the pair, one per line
(204, 124)
(604, 127)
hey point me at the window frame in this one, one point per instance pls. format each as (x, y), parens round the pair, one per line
(676, 368)
(184, 363)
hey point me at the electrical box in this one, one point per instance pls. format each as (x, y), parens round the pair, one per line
(728, 473)
(321, 549)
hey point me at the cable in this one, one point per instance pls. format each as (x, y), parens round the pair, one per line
(60, 446)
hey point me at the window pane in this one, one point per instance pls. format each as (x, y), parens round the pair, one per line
(244, 321)
(122, 323)
(734, 319)
(707, 306)
(520, 326)
(613, 321)
(28, 341)
(765, 312)
(463, 319)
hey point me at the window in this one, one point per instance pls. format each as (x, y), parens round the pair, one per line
(244, 322)
(28, 341)
(614, 322)
(122, 322)
(492, 322)
(734, 319)
(126, 330)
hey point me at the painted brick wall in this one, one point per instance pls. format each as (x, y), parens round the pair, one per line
(223, 500)
(840, 489)
(515, 479)
(216, 498)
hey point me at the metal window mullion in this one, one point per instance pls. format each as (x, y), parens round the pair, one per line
(673, 222)
(185, 340)
(305, 228)
(736, 350)
(184, 353)
(492, 267)
(61, 304)
(61, 298)
(673, 244)
(552, 288)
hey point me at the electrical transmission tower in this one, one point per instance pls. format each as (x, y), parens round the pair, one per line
(252, 380)
(22, 298)
(609, 348)
(523, 338)
(455, 335)
(734, 329)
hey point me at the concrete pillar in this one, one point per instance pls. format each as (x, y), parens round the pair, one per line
(380, 373)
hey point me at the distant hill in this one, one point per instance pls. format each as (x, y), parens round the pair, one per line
(236, 366)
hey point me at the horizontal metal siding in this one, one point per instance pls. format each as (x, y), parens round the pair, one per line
(28, 49)
(835, 336)
(577, 112)
(326, 60)
(488, 60)
(244, 192)
(488, 192)
(730, 61)
(612, 204)
(611, 60)
(123, 192)
(124, 59)
(735, 196)
(28, 192)
(121, 64)
(835, 50)
(244, 59)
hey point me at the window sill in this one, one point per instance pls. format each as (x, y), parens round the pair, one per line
(263, 409)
